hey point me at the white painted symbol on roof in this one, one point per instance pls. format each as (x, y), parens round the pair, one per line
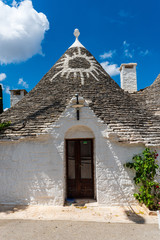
(84, 66)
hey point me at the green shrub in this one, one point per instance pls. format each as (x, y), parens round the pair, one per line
(4, 125)
(146, 169)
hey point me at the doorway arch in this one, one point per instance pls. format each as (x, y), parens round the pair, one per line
(79, 162)
(79, 131)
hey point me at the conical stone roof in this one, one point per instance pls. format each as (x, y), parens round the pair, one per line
(151, 96)
(77, 71)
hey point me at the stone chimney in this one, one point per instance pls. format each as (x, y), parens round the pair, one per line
(128, 77)
(17, 95)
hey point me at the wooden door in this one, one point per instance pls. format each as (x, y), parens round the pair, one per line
(80, 182)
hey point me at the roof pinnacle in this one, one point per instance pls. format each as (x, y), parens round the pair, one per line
(76, 33)
(76, 43)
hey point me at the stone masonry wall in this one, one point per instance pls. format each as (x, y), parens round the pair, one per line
(129, 79)
(33, 171)
(16, 98)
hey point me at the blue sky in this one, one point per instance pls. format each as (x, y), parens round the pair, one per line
(34, 35)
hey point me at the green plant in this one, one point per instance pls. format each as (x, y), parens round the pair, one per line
(4, 125)
(146, 169)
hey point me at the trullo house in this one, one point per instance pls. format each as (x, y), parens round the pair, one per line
(71, 134)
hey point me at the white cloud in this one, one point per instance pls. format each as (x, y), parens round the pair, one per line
(2, 76)
(23, 83)
(14, 3)
(7, 88)
(127, 51)
(108, 54)
(22, 30)
(125, 44)
(128, 54)
(144, 53)
(111, 69)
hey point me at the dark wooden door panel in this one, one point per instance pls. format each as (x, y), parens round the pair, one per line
(71, 188)
(87, 189)
(80, 182)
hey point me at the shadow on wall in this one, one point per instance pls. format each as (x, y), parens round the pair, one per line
(134, 217)
(12, 208)
(115, 182)
(30, 173)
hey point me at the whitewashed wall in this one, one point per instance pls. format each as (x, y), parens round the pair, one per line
(16, 98)
(33, 171)
(128, 78)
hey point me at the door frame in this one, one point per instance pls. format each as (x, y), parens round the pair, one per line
(93, 163)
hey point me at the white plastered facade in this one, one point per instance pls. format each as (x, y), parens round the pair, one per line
(128, 77)
(33, 171)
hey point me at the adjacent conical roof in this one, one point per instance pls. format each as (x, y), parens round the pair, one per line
(151, 96)
(77, 71)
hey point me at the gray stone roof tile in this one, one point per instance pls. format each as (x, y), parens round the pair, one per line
(131, 116)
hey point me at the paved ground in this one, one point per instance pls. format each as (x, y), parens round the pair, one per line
(87, 212)
(80, 221)
(69, 230)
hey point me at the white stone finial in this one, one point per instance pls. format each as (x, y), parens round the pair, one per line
(76, 43)
(76, 33)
